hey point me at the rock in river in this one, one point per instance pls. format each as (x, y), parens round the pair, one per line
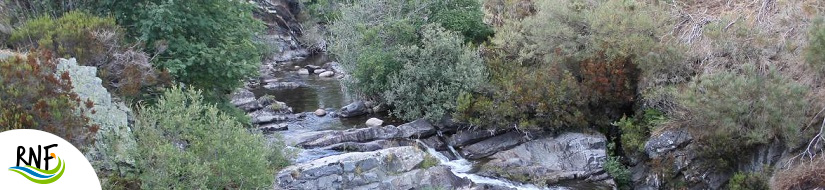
(374, 122)
(320, 112)
(327, 74)
(354, 109)
(493, 145)
(416, 129)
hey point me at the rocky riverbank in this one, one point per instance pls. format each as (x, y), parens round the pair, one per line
(344, 143)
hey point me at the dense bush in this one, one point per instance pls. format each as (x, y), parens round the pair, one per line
(384, 46)
(34, 96)
(368, 36)
(206, 44)
(635, 131)
(748, 108)
(433, 75)
(183, 138)
(575, 63)
(463, 16)
(86, 37)
(619, 172)
(94, 41)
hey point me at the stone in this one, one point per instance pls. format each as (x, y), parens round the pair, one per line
(320, 112)
(319, 71)
(465, 137)
(354, 109)
(416, 129)
(436, 143)
(268, 128)
(374, 122)
(493, 145)
(391, 168)
(245, 100)
(327, 74)
(114, 140)
(368, 146)
(666, 141)
(568, 157)
(303, 72)
(283, 85)
(313, 67)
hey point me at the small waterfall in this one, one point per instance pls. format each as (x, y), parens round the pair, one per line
(461, 167)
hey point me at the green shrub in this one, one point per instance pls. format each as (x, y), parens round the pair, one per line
(619, 172)
(750, 106)
(815, 53)
(748, 181)
(635, 131)
(369, 36)
(463, 16)
(77, 34)
(183, 138)
(577, 63)
(35, 96)
(94, 41)
(434, 75)
(207, 44)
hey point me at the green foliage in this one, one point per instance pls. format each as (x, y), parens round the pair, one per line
(75, 34)
(370, 37)
(205, 44)
(20, 11)
(619, 172)
(576, 63)
(433, 75)
(181, 137)
(34, 96)
(463, 16)
(815, 53)
(750, 106)
(748, 181)
(635, 132)
(324, 10)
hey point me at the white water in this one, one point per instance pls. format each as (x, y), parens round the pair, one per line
(461, 167)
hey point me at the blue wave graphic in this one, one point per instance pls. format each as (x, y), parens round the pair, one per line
(31, 172)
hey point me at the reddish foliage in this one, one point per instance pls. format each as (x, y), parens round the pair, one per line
(34, 98)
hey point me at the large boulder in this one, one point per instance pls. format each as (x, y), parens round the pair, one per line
(465, 137)
(245, 100)
(354, 109)
(493, 145)
(368, 146)
(113, 150)
(415, 129)
(391, 168)
(549, 160)
(666, 141)
(419, 128)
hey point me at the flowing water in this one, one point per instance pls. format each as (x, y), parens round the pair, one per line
(462, 168)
